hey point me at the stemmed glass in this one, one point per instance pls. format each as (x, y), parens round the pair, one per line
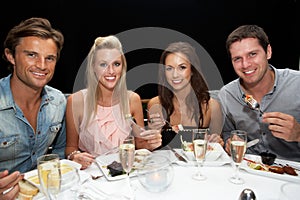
(54, 180)
(238, 142)
(126, 152)
(46, 164)
(200, 146)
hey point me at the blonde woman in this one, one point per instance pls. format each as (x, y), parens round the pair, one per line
(97, 117)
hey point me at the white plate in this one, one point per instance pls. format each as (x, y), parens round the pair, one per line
(286, 177)
(215, 157)
(32, 176)
(105, 160)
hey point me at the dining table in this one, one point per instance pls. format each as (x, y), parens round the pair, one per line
(265, 185)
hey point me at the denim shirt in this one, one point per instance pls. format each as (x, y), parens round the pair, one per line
(284, 97)
(20, 146)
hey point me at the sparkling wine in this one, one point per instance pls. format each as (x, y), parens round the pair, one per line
(127, 156)
(200, 149)
(238, 149)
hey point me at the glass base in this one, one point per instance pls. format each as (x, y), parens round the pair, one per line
(199, 177)
(236, 180)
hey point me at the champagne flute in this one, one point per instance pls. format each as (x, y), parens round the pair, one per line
(54, 181)
(45, 164)
(126, 152)
(238, 142)
(200, 146)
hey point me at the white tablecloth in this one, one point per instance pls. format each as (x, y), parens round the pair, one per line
(216, 186)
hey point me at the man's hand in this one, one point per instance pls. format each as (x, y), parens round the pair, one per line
(283, 126)
(9, 187)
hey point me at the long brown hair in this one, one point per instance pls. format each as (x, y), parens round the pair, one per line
(198, 96)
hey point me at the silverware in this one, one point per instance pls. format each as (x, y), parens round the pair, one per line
(96, 177)
(252, 103)
(252, 143)
(177, 154)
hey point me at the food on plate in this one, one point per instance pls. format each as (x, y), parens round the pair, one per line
(65, 168)
(276, 169)
(27, 190)
(115, 169)
(255, 166)
(271, 168)
(177, 128)
(290, 170)
(187, 146)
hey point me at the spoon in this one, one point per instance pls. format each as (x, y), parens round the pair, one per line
(247, 194)
(252, 103)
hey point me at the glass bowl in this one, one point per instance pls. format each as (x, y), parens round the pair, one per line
(157, 173)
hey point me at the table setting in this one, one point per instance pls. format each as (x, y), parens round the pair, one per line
(168, 174)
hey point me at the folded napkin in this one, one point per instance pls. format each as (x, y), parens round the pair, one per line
(118, 190)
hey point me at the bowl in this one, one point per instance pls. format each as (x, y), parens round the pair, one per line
(157, 173)
(267, 158)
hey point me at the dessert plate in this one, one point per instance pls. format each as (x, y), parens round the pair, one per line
(104, 160)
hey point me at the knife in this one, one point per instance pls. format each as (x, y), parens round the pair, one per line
(177, 154)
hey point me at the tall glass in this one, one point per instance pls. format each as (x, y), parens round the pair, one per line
(126, 152)
(54, 182)
(238, 142)
(200, 146)
(46, 164)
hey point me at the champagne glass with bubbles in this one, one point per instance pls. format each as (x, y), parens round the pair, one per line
(200, 146)
(238, 141)
(126, 152)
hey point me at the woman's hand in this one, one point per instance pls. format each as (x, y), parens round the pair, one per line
(150, 139)
(214, 137)
(155, 121)
(85, 159)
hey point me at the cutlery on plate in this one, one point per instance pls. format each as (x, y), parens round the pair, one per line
(177, 154)
(252, 143)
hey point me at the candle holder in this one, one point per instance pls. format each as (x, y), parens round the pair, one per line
(157, 173)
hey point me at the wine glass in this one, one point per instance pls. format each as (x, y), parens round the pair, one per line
(126, 152)
(200, 146)
(54, 181)
(238, 141)
(45, 164)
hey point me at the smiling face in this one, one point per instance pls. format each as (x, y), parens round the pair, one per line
(178, 70)
(108, 67)
(34, 61)
(250, 61)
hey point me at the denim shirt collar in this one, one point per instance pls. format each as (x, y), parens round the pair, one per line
(7, 100)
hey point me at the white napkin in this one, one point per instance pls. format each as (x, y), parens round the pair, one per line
(118, 190)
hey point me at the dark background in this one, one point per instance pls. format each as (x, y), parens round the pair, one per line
(206, 21)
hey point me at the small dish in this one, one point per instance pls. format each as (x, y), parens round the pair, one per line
(267, 158)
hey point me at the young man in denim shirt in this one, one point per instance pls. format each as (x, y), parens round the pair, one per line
(31, 112)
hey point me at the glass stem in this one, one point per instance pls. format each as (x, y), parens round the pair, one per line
(237, 172)
(199, 163)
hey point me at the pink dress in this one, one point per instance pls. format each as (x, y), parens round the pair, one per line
(105, 131)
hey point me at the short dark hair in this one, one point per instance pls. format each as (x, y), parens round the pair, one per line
(248, 31)
(35, 26)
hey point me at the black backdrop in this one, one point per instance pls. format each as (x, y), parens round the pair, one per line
(207, 22)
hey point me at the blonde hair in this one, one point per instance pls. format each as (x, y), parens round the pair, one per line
(120, 92)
